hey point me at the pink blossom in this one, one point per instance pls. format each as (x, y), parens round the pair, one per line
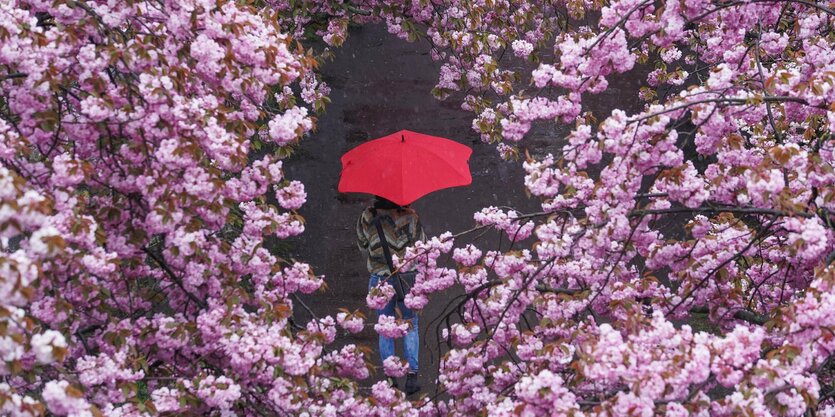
(166, 399)
(45, 344)
(395, 367)
(218, 392)
(467, 256)
(287, 127)
(416, 301)
(62, 400)
(353, 323)
(671, 54)
(349, 362)
(391, 327)
(68, 172)
(522, 48)
(291, 196)
(763, 186)
(384, 393)
(379, 296)
(462, 335)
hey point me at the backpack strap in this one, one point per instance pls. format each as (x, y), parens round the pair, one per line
(384, 243)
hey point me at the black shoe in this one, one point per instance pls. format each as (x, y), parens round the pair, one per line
(393, 383)
(412, 383)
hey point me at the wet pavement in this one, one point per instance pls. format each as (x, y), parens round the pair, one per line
(381, 84)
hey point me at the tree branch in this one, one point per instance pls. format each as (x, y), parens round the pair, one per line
(567, 291)
(14, 75)
(750, 317)
(720, 209)
(358, 11)
(173, 276)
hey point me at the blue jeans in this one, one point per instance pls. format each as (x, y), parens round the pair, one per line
(411, 340)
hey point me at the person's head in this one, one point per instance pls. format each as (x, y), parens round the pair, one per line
(382, 203)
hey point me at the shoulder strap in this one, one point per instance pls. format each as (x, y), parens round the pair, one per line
(384, 243)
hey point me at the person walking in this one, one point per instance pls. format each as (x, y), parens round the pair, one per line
(403, 166)
(401, 228)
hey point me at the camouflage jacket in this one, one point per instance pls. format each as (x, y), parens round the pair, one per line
(402, 228)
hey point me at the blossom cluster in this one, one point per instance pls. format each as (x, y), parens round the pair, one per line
(710, 198)
(142, 174)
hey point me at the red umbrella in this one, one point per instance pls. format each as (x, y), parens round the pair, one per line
(405, 166)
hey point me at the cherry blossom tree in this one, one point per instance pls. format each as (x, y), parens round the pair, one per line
(142, 184)
(715, 199)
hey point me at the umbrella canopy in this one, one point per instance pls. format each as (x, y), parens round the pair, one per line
(405, 166)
